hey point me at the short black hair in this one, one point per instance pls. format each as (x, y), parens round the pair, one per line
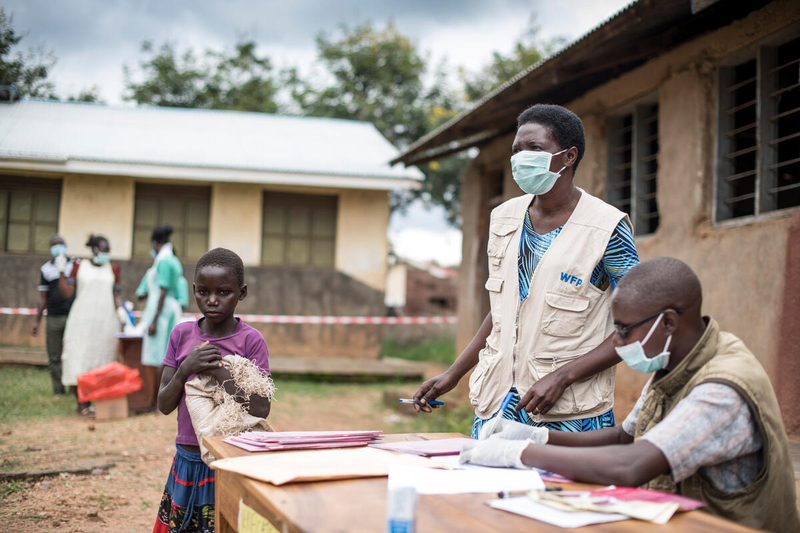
(161, 234)
(224, 258)
(565, 127)
(95, 240)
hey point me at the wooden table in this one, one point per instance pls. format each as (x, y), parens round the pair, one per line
(359, 505)
(143, 400)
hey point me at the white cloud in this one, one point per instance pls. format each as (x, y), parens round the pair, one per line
(417, 244)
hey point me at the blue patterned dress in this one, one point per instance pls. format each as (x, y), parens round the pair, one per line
(619, 257)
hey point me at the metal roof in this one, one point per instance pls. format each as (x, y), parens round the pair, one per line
(50, 131)
(635, 34)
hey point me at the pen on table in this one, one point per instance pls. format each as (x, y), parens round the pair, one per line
(512, 493)
(411, 400)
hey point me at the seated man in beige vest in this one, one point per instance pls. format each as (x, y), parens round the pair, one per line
(706, 426)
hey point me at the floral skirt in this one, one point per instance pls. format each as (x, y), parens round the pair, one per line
(188, 501)
(606, 420)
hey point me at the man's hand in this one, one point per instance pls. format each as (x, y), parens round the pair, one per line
(201, 358)
(35, 329)
(544, 394)
(501, 428)
(494, 452)
(432, 389)
(153, 327)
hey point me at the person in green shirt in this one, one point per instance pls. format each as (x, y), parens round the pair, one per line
(166, 291)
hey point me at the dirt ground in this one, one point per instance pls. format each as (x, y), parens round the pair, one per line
(125, 497)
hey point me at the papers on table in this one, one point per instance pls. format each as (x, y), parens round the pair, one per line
(469, 478)
(270, 441)
(524, 506)
(427, 448)
(320, 465)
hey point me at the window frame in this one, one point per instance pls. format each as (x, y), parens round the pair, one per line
(161, 192)
(764, 52)
(36, 186)
(291, 199)
(641, 112)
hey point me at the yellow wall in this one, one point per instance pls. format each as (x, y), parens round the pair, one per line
(101, 205)
(236, 213)
(361, 241)
(105, 204)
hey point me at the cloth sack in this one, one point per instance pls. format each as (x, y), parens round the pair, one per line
(214, 412)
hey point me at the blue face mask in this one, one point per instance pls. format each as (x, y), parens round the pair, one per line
(153, 253)
(58, 249)
(102, 258)
(531, 171)
(635, 357)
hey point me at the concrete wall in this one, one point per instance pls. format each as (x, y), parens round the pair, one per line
(97, 204)
(741, 265)
(272, 290)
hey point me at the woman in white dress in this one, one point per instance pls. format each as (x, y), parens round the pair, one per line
(90, 335)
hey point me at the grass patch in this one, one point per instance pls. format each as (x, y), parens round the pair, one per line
(455, 419)
(6, 489)
(441, 351)
(27, 393)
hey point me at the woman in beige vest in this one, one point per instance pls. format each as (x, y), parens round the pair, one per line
(543, 355)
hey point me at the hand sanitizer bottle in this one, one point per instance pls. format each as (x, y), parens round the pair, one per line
(401, 510)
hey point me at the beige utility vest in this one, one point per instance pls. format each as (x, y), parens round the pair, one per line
(719, 357)
(563, 317)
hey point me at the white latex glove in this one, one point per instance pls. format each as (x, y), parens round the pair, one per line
(122, 315)
(508, 429)
(60, 262)
(494, 452)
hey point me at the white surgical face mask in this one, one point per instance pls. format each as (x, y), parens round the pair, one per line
(635, 357)
(531, 171)
(102, 258)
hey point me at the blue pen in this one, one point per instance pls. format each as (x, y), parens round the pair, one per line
(411, 400)
(506, 401)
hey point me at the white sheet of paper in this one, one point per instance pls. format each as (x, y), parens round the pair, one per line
(522, 505)
(470, 479)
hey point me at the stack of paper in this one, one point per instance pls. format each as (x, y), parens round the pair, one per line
(271, 441)
(426, 448)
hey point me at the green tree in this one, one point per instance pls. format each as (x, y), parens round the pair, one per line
(373, 74)
(376, 74)
(223, 80)
(29, 72)
(527, 50)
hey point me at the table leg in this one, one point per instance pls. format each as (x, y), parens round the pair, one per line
(227, 494)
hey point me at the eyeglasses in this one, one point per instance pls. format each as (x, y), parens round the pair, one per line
(623, 330)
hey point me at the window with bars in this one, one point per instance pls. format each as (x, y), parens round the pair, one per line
(29, 209)
(758, 164)
(633, 166)
(299, 230)
(185, 208)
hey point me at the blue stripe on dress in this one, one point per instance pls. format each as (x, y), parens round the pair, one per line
(606, 420)
(619, 257)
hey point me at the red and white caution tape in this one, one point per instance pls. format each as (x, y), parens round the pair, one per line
(293, 319)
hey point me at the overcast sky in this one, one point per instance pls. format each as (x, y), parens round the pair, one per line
(93, 38)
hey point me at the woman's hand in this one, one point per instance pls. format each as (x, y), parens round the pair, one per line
(201, 358)
(544, 394)
(153, 327)
(432, 389)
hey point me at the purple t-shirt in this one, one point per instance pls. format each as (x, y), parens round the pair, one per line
(245, 341)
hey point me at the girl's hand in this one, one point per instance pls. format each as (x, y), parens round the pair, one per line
(201, 358)
(153, 328)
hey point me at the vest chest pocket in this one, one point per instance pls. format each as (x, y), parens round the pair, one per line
(500, 235)
(564, 315)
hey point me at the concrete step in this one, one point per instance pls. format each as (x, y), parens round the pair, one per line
(10, 355)
(287, 367)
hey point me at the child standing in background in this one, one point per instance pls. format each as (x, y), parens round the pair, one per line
(197, 347)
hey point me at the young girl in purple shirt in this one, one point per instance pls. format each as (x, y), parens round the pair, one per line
(197, 347)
